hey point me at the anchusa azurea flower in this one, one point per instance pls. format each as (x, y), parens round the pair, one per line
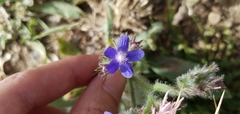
(122, 57)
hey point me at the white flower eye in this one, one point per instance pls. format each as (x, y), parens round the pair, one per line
(121, 57)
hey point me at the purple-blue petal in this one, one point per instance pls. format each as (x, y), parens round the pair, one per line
(126, 70)
(112, 67)
(123, 43)
(110, 52)
(135, 55)
(106, 112)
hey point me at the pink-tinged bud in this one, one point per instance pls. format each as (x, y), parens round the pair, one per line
(135, 45)
(104, 70)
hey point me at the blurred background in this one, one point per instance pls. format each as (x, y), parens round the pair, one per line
(176, 34)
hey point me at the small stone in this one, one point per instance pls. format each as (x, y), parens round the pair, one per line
(214, 18)
(53, 57)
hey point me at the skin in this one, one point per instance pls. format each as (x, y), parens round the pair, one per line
(31, 91)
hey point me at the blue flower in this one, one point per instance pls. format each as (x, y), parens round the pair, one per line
(121, 58)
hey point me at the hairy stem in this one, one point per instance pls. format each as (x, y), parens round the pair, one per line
(132, 93)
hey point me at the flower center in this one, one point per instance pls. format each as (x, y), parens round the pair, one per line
(121, 57)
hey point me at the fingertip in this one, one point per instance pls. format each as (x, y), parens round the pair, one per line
(101, 95)
(115, 85)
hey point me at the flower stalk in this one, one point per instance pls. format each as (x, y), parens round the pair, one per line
(144, 85)
(132, 93)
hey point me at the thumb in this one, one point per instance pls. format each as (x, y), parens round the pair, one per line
(101, 95)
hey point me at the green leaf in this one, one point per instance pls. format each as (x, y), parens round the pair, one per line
(137, 87)
(169, 67)
(149, 103)
(77, 2)
(156, 28)
(68, 99)
(42, 24)
(2, 42)
(142, 36)
(32, 25)
(209, 32)
(67, 48)
(61, 8)
(141, 66)
(2, 1)
(40, 53)
(62, 104)
(151, 44)
(16, 23)
(24, 33)
(150, 36)
(162, 87)
(108, 24)
(53, 30)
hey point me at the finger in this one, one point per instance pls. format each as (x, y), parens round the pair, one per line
(47, 110)
(37, 87)
(101, 95)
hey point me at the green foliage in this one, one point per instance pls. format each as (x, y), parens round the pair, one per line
(169, 67)
(60, 103)
(108, 24)
(3, 40)
(2, 1)
(149, 104)
(67, 48)
(60, 8)
(150, 36)
(54, 30)
(161, 87)
(39, 48)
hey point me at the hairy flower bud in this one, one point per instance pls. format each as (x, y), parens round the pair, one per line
(200, 81)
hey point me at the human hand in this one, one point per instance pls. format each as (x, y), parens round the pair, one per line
(31, 91)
